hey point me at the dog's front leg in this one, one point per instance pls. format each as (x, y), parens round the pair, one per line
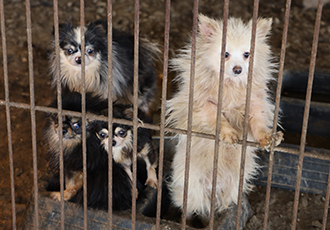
(260, 122)
(73, 184)
(227, 133)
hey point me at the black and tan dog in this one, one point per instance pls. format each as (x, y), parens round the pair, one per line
(96, 63)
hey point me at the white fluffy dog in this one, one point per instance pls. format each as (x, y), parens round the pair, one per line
(205, 102)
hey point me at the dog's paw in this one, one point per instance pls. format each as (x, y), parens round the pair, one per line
(267, 140)
(152, 178)
(56, 196)
(151, 182)
(230, 136)
(278, 138)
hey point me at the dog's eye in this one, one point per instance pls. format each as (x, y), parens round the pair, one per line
(69, 51)
(226, 55)
(90, 51)
(122, 133)
(103, 135)
(246, 55)
(76, 126)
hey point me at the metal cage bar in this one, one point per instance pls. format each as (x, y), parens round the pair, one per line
(83, 108)
(8, 119)
(247, 111)
(19, 105)
(163, 111)
(306, 112)
(110, 113)
(59, 106)
(219, 112)
(32, 110)
(135, 108)
(190, 109)
(326, 204)
(277, 106)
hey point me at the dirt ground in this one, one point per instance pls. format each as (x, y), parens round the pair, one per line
(152, 26)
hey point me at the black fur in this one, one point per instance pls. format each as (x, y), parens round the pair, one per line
(72, 101)
(72, 152)
(97, 158)
(97, 179)
(150, 209)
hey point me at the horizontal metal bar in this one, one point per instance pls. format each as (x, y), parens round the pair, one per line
(316, 155)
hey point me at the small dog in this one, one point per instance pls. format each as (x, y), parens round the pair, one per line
(208, 50)
(72, 140)
(97, 159)
(96, 63)
(122, 144)
(97, 177)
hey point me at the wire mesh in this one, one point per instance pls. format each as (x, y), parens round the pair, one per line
(161, 127)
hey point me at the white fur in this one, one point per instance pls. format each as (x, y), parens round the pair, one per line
(205, 102)
(151, 169)
(122, 144)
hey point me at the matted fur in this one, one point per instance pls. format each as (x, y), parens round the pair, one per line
(206, 85)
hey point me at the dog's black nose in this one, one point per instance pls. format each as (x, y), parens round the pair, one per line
(78, 60)
(237, 70)
(113, 143)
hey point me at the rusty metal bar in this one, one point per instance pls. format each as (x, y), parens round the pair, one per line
(32, 111)
(219, 112)
(190, 114)
(135, 107)
(247, 111)
(163, 111)
(83, 107)
(317, 155)
(59, 106)
(306, 112)
(9, 133)
(110, 113)
(277, 106)
(326, 204)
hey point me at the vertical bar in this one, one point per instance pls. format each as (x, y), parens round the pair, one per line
(135, 107)
(306, 112)
(110, 113)
(10, 145)
(247, 111)
(190, 110)
(163, 111)
(32, 111)
(219, 109)
(277, 105)
(83, 107)
(59, 106)
(326, 204)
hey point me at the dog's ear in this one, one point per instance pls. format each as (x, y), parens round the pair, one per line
(264, 26)
(99, 26)
(63, 28)
(207, 27)
(128, 112)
